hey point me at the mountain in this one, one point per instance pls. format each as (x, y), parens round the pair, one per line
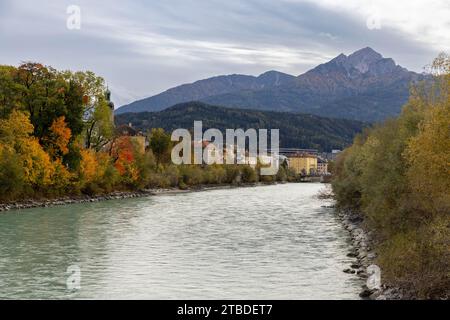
(296, 130)
(362, 86)
(209, 87)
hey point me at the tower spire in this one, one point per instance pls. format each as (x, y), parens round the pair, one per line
(109, 102)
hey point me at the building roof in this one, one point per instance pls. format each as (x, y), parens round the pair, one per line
(302, 155)
(126, 130)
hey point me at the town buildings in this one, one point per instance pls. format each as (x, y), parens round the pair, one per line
(303, 163)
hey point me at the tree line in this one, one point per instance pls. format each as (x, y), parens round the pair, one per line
(57, 138)
(397, 174)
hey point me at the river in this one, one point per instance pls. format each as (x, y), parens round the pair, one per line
(269, 242)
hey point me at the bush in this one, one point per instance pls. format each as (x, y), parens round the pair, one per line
(248, 174)
(11, 175)
(282, 175)
(191, 175)
(232, 174)
(109, 179)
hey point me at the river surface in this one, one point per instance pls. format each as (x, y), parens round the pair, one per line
(269, 242)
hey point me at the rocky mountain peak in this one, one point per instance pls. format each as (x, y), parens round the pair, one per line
(363, 59)
(361, 62)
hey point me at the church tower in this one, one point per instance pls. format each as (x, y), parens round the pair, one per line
(110, 103)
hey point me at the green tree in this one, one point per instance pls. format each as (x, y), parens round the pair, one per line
(10, 96)
(97, 116)
(160, 144)
(12, 182)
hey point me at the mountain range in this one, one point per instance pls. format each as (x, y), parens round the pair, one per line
(361, 86)
(296, 130)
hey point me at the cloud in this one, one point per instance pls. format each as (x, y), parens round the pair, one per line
(424, 21)
(144, 47)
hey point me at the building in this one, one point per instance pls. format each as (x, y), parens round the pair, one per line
(322, 166)
(334, 154)
(303, 163)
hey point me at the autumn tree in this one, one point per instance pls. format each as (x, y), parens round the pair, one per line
(16, 135)
(58, 138)
(397, 175)
(12, 180)
(124, 154)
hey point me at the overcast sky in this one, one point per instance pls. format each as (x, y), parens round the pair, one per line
(144, 47)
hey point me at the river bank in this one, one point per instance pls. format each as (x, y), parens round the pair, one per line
(67, 200)
(365, 254)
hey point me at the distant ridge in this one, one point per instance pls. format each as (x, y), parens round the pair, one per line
(361, 86)
(296, 130)
(209, 87)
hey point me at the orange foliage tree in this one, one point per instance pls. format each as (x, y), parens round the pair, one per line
(124, 159)
(59, 137)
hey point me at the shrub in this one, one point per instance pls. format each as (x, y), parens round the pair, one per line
(12, 175)
(248, 174)
(232, 174)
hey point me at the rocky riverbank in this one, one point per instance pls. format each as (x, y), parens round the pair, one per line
(365, 256)
(36, 203)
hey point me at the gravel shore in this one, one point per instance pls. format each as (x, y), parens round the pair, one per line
(365, 256)
(36, 203)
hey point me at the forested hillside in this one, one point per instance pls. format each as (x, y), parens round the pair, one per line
(296, 130)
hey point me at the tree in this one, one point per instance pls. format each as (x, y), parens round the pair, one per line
(16, 134)
(160, 143)
(58, 139)
(12, 173)
(46, 95)
(99, 127)
(397, 175)
(428, 153)
(89, 166)
(124, 155)
(15, 129)
(9, 91)
(97, 116)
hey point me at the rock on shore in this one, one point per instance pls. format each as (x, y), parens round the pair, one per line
(365, 255)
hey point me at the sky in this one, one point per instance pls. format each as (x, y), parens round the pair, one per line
(142, 47)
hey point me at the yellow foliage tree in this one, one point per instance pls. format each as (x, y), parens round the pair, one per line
(15, 133)
(89, 166)
(399, 178)
(15, 128)
(428, 153)
(37, 164)
(61, 177)
(59, 137)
